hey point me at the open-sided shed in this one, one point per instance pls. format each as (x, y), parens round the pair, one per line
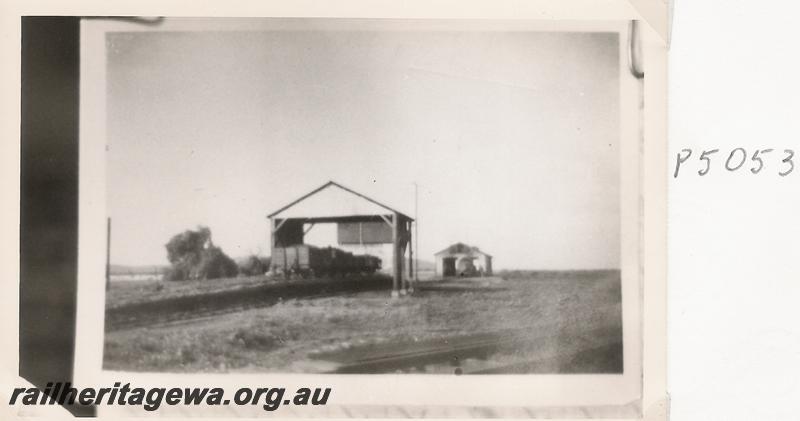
(359, 219)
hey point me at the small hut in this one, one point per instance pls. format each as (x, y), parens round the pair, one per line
(463, 260)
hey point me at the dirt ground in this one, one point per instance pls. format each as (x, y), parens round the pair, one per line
(574, 312)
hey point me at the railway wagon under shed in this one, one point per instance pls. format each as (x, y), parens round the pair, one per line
(361, 221)
(309, 260)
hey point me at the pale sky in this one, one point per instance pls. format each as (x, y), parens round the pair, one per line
(513, 137)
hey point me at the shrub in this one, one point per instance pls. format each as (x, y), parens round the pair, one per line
(176, 273)
(215, 264)
(254, 340)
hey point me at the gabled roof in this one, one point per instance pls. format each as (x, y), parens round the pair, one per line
(461, 248)
(334, 200)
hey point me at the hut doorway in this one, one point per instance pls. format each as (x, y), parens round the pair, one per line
(449, 266)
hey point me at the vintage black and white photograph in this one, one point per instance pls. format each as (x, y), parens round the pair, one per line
(395, 198)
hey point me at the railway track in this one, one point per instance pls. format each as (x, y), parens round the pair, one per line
(188, 309)
(453, 351)
(568, 362)
(196, 316)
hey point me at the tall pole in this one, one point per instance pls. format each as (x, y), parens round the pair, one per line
(108, 253)
(416, 231)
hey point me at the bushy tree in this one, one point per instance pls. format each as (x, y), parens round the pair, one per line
(186, 249)
(194, 256)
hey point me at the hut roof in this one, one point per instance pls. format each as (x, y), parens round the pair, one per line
(461, 248)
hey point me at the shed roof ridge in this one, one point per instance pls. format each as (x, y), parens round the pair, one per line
(347, 189)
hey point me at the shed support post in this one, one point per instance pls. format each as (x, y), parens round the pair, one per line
(272, 234)
(402, 260)
(397, 261)
(402, 257)
(410, 282)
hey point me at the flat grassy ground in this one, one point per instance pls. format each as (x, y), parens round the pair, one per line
(128, 292)
(573, 312)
